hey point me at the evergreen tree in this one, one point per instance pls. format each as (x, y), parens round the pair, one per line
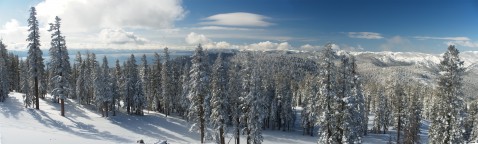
(59, 65)
(157, 87)
(25, 84)
(382, 113)
(103, 91)
(144, 73)
(219, 115)
(166, 83)
(35, 58)
(448, 110)
(4, 80)
(309, 105)
(474, 118)
(198, 92)
(328, 98)
(412, 127)
(233, 88)
(254, 114)
(184, 101)
(115, 87)
(81, 83)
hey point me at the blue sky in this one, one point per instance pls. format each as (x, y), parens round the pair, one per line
(366, 25)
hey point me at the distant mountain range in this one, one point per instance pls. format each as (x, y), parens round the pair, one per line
(380, 66)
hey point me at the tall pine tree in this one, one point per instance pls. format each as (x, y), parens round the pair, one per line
(198, 92)
(59, 65)
(448, 112)
(35, 58)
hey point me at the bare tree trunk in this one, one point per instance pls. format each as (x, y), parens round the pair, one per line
(113, 107)
(37, 97)
(221, 134)
(62, 103)
(201, 119)
(106, 107)
(238, 133)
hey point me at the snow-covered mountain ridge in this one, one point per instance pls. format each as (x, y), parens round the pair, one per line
(470, 58)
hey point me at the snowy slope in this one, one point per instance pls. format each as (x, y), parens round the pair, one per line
(82, 125)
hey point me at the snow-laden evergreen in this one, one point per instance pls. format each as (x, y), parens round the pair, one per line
(134, 96)
(35, 58)
(382, 113)
(59, 65)
(81, 83)
(219, 102)
(166, 83)
(198, 92)
(253, 106)
(156, 82)
(25, 85)
(103, 88)
(309, 105)
(4, 80)
(447, 123)
(328, 98)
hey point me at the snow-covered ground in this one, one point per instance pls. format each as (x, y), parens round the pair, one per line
(85, 125)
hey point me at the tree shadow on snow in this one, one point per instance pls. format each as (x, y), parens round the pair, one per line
(11, 107)
(80, 129)
(156, 126)
(72, 109)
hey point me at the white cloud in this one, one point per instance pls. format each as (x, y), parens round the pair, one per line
(463, 43)
(223, 44)
(225, 28)
(309, 47)
(237, 19)
(194, 38)
(365, 35)
(84, 15)
(119, 36)
(442, 38)
(397, 43)
(14, 35)
(268, 45)
(459, 41)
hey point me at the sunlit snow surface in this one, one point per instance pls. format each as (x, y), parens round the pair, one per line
(83, 125)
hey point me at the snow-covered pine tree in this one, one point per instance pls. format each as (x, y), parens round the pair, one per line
(144, 73)
(184, 101)
(254, 115)
(166, 83)
(382, 113)
(35, 58)
(198, 91)
(448, 112)
(115, 87)
(351, 102)
(474, 117)
(81, 84)
(234, 86)
(412, 127)
(59, 65)
(219, 115)
(284, 105)
(4, 81)
(25, 84)
(399, 106)
(157, 88)
(309, 104)
(129, 82)
(103, 91)
(361, 118)
(328, 97)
